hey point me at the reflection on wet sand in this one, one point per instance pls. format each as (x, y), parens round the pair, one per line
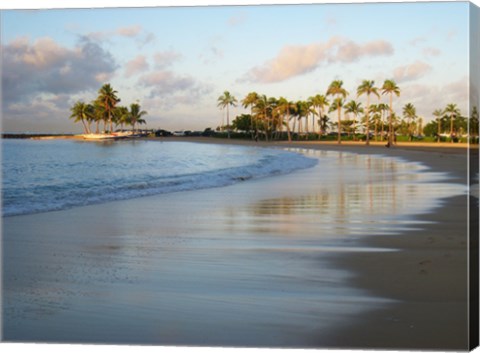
(350, 195)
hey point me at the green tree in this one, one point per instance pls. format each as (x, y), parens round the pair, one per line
(249, 101)
(136, 115)
(367, 87)
(453, 112)
(286, 107)
(99, 115)
(243, 123)
(410, 114)
(319, 102)
(82, 112)
(262, 110)
(336, 89)
(122, 116)
(354, 108)
(337, 105)
(438, 113)
(107, 98)
(390, 87)
(224, 101)
(473, 123)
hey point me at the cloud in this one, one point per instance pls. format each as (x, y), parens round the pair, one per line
(146, 38)
(170, 88)
(46, 67)
(131, 31)
(417, 40)
(238, 19)
(430, 51)
(295, 60)
(136, 65)
(166, 58)
(212, 52)
(411, 72)
(427, 98)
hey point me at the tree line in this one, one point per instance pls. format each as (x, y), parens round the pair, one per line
(105, 109)
(274, 118)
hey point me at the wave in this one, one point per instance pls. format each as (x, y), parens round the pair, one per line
(54, 196)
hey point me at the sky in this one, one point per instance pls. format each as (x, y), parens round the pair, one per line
(176, 61)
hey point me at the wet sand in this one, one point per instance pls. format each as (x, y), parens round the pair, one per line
(247, 265)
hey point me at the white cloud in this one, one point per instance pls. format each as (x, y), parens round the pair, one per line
(136, 66)
(238, 18)
(166, 58)
(411, 72)
(430, 51)
(170, 89)
(131, 31)
(294, 60)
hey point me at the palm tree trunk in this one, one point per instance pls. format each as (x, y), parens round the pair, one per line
(439, 129)
(339, 125)
(84, 126)
(451, 128)
(288, 127)
(367, 138)
(319, 123)
(228, 122)
(294, 124)
(390, 127)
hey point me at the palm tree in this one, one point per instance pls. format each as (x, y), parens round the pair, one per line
(136, 115)
(224, 101)
(99, 114)
(122, 116)
(410, 113)
(324, 122)
(286, 106)
(337, 105)
(390, 87)
(354, 108)
(249, 101)
(261, 110)
(473, 125)
(336, 89)
(82, 112)
(107, 97)
(319, 101)
(302, 110)
(453, 111)
(382, 108)
(367, 87)
(374, 108)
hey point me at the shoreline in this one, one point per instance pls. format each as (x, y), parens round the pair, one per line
(431, 260)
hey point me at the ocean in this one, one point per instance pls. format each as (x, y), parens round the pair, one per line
(48, 175)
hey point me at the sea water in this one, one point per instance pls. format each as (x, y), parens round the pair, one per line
(47, 175)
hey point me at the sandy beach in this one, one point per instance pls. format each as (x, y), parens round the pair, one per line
(243, 265)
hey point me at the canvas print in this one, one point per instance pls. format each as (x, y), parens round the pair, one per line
(281, 176)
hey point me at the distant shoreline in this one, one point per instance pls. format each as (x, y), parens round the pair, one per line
(35, 136)
(309, 143)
